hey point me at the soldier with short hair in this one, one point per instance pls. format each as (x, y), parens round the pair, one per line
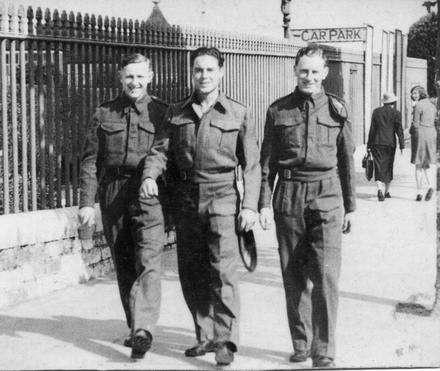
(208, 136)
(308, 144)
(118, 140)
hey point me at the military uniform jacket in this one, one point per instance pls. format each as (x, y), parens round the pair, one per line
(309, 137)
(208, 148)
(119, 137)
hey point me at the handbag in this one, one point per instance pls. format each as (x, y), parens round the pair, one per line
(368, 165)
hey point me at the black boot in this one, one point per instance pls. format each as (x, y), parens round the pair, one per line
(380, 196)
(140, 343)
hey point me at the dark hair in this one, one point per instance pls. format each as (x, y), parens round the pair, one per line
(422, 92)
(309, 50)
(213, 52)
(133, 58)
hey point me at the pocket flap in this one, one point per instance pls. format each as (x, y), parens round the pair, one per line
(290, 121)
(226, 125)
(181, 120)
(113, 127)
(327, 203)
(326, 120)
(147, 126)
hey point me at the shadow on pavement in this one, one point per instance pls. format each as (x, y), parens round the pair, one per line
(172, 342)
(90, 335)
(268, 273)
(373, 197)
(83, 333)
(368, 298)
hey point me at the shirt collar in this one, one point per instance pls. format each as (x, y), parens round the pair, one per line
(220, 104)
(139, 105)
(316, 99)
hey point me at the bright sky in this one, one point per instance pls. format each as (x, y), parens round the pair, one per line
(256, 16)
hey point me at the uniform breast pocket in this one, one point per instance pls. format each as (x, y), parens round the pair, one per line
(183, 138)
(223, 136)
(290, 132)
(113, 135)
(146, 135)
(328, 130)
(183, 134)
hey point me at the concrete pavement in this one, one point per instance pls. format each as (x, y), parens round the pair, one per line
(389, 257)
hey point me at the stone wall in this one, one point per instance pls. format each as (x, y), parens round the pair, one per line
(41, 252)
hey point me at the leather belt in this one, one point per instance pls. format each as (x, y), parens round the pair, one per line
(186, 175)
(302, 175)
(196, 176)
(120, 172)
(285, 174)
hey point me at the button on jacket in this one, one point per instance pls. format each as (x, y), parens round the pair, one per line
(203, 151)
(210, 147)
(118, 140)
(385, 125)
(119, 137)
(309, 138)
(307, 143)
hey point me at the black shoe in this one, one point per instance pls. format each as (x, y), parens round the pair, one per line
(387, 195)
(429, 194)
(224, 355)
(200, 349)
(419, 197)
(300, 356)
(323, 362)
(128, 341)
(380, 196)
(140, 343)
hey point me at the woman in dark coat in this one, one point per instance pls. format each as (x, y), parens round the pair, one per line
(386, 124)
(423, 143)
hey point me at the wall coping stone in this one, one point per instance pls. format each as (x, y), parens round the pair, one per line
(41, 226)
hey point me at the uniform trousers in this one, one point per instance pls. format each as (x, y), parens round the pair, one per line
(134, 230)
(308, 226)
(208, 255)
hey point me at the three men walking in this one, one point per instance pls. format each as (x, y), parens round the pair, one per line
(200, 142)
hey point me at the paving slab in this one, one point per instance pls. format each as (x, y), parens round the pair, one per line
(389, 257)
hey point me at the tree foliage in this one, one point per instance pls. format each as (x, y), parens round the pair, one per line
(422, 39)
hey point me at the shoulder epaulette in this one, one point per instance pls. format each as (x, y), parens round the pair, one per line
(158, 100)
(288, 96)
(236, 101)
(180, 101)
(110, 101)
(337, 107)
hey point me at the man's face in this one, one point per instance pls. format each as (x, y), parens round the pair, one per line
(206, 74)
(310, 72)
(134, 79)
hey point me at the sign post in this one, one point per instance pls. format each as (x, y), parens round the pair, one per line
(368, 78)
(329, 35)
